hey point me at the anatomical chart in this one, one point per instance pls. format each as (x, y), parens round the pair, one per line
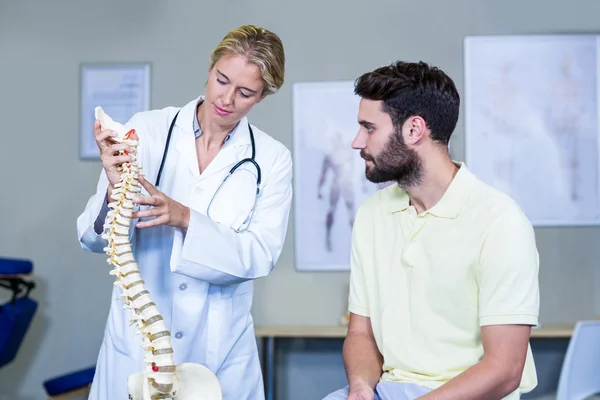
(329, 175)
(531, 112)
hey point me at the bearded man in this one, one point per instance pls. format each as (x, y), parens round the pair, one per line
(444, 268)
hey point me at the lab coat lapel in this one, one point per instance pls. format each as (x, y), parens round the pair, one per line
(184, 138)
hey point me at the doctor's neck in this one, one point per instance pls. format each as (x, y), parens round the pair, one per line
(213, 134)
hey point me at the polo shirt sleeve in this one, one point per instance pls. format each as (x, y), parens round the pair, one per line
(508, 273)
(358, 297)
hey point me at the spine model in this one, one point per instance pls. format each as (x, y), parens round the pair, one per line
(159, 367)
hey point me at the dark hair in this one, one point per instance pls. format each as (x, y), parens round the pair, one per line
(409, 89)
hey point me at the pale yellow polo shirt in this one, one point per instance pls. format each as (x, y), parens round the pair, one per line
(429, 281)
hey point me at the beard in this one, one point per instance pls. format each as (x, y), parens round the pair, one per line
(396, 162)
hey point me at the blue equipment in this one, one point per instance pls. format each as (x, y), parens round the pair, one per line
(16, 314)
(15, 319)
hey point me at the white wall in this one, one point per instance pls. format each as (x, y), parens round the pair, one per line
(45, 185)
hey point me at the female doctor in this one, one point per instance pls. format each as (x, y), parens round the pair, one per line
(201, 239)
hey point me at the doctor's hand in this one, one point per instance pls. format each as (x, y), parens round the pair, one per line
(109, 152)
(165, 210)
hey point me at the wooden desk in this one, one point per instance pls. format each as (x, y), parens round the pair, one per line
(268, 336)
(553, 332)
(332, 331)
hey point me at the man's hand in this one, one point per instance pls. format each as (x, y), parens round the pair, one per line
(362, 359)
(361, 391)
(165, 210)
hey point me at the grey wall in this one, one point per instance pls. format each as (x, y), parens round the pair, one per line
(45, 185)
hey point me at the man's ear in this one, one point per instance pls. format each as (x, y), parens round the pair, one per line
(414, 130)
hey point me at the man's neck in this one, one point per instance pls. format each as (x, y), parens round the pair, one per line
(213, 136)
(438, 173)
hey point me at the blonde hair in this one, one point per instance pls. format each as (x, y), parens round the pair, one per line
(261, 47)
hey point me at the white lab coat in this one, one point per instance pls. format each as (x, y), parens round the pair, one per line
(202, 280)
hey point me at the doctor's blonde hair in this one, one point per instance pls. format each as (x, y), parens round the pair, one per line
(261, 47)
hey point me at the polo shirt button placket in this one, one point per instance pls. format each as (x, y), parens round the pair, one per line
(418, 226)
(411, 245)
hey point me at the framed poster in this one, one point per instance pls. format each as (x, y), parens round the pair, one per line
(329, 181)
(120, 89)
(531, 123)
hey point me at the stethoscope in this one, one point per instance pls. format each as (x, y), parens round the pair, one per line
(251, 160)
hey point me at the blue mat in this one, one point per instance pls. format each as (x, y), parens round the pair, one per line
(15, 318)
(69, 382)
(13, 266)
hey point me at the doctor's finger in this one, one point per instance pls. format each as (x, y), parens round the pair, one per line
(97, 128)
(115, 148)
(109, 160)
(152, 212)
(147, 201)
(151, 222)
(148, 186)
(118, 159)
(105, 138)
(101, 133)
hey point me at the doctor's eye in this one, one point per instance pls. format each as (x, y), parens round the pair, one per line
(221, 82)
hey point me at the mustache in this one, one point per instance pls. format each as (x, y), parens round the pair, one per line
(366, 156)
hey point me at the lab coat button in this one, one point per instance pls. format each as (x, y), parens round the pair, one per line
(178, 335)
(183, 286)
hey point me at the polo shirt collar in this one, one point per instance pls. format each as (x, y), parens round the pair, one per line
(451, 203)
